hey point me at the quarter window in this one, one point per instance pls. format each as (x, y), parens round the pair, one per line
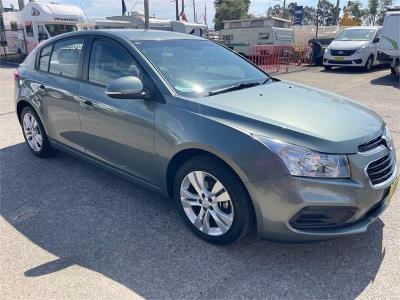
(45, 58)
(109, 61)
(14, 26)
(66, 56)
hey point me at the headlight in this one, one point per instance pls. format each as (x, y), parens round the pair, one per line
(361, 50)
(304, 162)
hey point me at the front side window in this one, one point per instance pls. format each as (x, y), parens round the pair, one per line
(56, 29)
(29, 28)
(66, 57)
(356, 35)
(195, 67)
(110, 61)
(44, 58)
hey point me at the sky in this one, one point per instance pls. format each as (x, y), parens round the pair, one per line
(166, 8)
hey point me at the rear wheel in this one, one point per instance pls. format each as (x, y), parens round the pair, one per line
(212, 200)
(368, 64)
(34, 133)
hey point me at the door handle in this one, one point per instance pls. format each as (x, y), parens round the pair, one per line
(88, 103)
(42, 87)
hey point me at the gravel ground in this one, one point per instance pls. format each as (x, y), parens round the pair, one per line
(71, 230)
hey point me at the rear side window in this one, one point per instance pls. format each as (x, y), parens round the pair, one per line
(66, 57)
(110, 61)
(44, 58)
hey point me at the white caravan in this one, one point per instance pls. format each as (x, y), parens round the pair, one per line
(26, 28)
(241, 34)
(389, 43)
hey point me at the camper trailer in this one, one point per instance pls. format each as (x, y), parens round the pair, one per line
(239, 35)
(26, 28)
(389, 43)
(137, 21)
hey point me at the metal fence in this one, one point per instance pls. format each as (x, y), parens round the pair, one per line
(288, 58)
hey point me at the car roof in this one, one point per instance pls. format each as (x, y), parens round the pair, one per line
(149, 34)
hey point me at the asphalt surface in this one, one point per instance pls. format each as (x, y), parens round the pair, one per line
(71, 230)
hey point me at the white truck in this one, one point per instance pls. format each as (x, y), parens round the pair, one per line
(26, 28)
(239, 35)
(389, 43)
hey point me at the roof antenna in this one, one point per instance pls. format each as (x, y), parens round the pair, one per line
(87, 19)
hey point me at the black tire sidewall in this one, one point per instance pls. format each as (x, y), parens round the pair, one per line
(370, 59)
(46, 149)
(233, 185)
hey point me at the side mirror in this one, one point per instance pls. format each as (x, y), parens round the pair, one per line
(376, 40)
(126, 88)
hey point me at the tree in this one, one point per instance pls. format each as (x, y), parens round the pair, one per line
(309, 15)
(229, 10)
(355, 9)
(353, 14)
(326, 13)
(375, 13)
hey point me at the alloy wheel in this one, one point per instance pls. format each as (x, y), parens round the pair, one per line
(32, 132)
(206, 203)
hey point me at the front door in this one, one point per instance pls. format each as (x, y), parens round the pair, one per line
(119, 132)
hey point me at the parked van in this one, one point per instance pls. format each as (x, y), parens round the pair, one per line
(390, 41)
(26, 28)
(354, 47)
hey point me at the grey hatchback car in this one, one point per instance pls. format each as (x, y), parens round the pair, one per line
(234, 147)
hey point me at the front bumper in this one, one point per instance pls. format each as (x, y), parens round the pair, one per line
(278, 201)
(355, 60)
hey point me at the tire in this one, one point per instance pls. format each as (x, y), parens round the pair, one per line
(328, 68)
(238, 207)
(34, 133)
(369, 63)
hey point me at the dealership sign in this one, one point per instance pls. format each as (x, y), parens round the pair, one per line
(298, 15)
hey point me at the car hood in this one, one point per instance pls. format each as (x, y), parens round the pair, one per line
(347, 45)
(298, 114)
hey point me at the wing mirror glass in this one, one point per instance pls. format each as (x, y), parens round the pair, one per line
(376, 40)
(126, 88)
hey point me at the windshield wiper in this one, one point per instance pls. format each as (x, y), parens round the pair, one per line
(241, 86)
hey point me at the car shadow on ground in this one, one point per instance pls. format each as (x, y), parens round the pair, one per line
(93, 219)
(387, 80)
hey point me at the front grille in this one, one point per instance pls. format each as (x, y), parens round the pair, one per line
(342, 52)
(381, 169)
(371, 144)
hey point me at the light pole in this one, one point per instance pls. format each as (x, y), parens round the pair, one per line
(146, 15)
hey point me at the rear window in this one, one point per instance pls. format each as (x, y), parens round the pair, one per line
(66, 57)
(44, 58)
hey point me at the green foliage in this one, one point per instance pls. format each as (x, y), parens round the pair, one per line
(230, 10)
(375, 12)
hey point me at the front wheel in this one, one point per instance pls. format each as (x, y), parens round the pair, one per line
(212, 200)
(328, 68)
(368, 64)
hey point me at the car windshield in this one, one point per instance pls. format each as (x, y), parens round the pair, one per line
(56, 29)
(195, 68)
(356, 35)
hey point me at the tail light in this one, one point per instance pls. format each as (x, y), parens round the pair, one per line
(16, 75)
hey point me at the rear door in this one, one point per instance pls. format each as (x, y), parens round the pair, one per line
(119, 132)
(60, 67)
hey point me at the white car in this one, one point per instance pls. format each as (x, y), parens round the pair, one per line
(354, 47)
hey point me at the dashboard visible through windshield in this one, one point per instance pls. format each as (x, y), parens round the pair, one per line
(196, 68)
